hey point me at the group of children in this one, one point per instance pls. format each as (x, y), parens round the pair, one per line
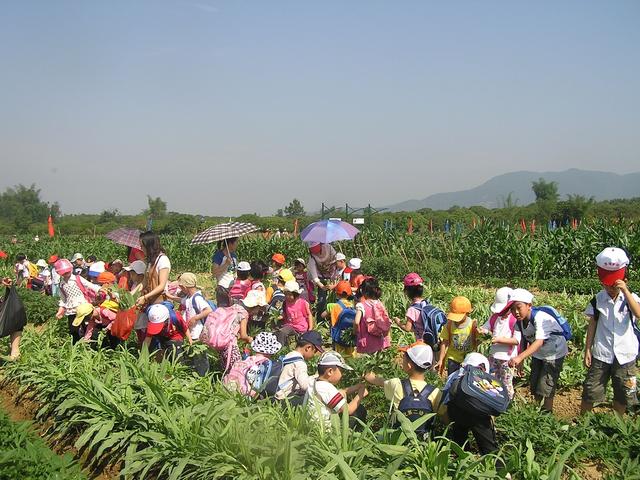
(276, 301)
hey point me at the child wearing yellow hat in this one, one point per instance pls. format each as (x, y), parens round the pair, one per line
(459, 336)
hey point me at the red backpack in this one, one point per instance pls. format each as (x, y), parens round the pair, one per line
(377, 318)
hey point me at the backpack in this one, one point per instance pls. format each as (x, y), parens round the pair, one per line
(433, 319)
(221, 329)
(89, 294)
(239, 289)
(636, 329)
(479, 392)
(346, 319)
(246, 376)
(33, 270)
(513, 323)
(270, 385)
(378, 322)
(175, 324)
(564, 324)
(416, 404)
(195, 306)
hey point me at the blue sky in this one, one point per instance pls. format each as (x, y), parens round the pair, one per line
(238, 106)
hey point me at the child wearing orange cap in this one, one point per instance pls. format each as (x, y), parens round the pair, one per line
(342, 335)
(611, 347)
(459, 335)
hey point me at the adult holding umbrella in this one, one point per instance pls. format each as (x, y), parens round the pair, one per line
(225, 258)
(321, 266)
(130, 238)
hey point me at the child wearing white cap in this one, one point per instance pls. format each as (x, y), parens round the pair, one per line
(505, 337)
(611, 347)
(547, 347)
(412, 395)
(323, 398)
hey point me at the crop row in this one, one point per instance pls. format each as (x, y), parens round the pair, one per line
(487, 251)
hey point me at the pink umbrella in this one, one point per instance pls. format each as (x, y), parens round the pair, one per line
(129, 237)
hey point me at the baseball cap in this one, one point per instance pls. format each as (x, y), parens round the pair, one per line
(254, 298)
(188, 279)
(314, 338)
(612, 265)
(301, 260)
(476, 359)
(158, 315)
(82, 311)
(77, 256)
(41, 263)
(340, 256)
(63, 266)
(343, 288)
(412, 280)
(106, 278)
(333, 359)
(278, 258)
(458, 308)
(96, 269)
(521, 295)
(286, 275)
(244, 267)
(53, 258)
(419, 353)
(501, 300)
(355, 263)
(137, 266)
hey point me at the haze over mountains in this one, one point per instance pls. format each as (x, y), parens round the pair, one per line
(491, 194)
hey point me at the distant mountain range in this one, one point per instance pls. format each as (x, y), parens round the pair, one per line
(491, 194)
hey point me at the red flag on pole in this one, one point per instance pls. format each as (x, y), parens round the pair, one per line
(410, 226)
(533, 226)
(50, 224)
(523, 225)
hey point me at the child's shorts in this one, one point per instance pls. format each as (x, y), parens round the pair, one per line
(623, 380)
(544, 376)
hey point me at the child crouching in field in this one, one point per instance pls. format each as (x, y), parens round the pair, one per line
(296, 313)
(324, 400)
(505, 338)
(342, 316)
(412, 396)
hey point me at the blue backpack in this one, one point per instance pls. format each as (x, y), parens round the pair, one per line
(433, 319)
(415, 405)
(564, 324)
(478, 392)
(195, 306)
(346, 319)
(271, 370)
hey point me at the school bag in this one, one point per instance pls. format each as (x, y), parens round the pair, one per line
(513, 324)
(89, 295)
(346, 319)
(13, 316)
(247, 376)
(416, 404)
(634, 324)
(195, 305)
(433, 319)
(377, 318)
(239, 289)
(271, 385)
(480, 392)
(221, 329)
(562, 321)
(33, 270)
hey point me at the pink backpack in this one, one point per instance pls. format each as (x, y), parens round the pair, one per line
(377, 318)
(238, 378)
(512, 325)
(222, 326)
(89, 295)
(239, 289)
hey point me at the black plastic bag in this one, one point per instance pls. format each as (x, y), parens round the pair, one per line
(13, 318)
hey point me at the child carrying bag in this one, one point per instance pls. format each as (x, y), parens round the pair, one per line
(13, 317)
(477, 391)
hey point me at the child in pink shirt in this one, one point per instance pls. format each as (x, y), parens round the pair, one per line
(371, 336)
(296, 313)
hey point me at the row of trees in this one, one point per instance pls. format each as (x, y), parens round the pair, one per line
(22, 209)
